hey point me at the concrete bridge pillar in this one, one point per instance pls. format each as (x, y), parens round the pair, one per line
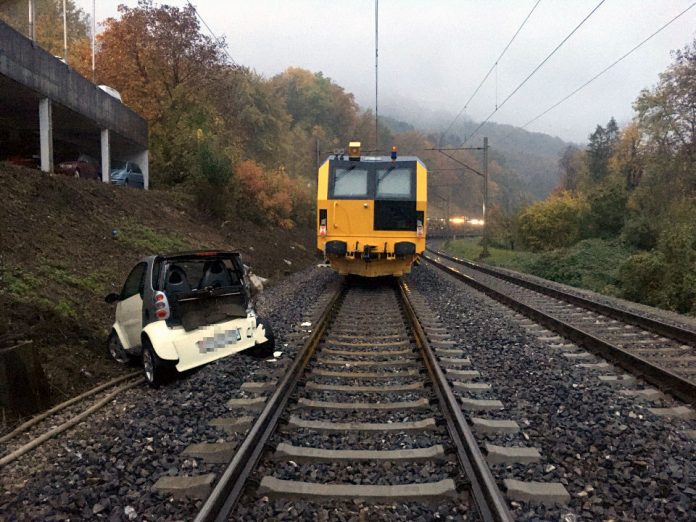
(142, 158)
(105, 156)
(46, 134)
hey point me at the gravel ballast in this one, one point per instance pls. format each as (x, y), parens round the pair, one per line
(615, 458)
(105, 468)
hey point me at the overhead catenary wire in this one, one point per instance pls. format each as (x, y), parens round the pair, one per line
(607, 68)
(495, 64)
(534, 71)
(219, 40)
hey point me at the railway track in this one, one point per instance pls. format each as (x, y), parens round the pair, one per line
(14, 450)
(364, 415)
(663, 354)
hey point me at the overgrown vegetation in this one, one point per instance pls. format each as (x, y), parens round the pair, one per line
(623, 220)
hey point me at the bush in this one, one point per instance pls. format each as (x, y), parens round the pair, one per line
(641, 278)
(559, 221)
(607, 207)
(591, 263)
(666, 276)
(640, 232)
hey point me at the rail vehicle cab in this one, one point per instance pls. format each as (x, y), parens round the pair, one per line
(371, 212)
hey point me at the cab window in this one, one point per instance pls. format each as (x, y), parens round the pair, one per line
(135, 283)
(350, 182)
(394, 183)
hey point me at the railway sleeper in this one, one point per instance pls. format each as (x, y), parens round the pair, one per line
(427, 491)
(286, 451)
(409, 426)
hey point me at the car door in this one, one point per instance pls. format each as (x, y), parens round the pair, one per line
(129, 311)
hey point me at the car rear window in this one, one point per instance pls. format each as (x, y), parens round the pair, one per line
(199, 273)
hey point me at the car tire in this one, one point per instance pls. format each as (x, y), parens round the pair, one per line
(115, 349)
(77, 174)
(156, 373)
(265, 349)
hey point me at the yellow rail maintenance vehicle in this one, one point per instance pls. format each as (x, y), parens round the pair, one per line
(371, 212)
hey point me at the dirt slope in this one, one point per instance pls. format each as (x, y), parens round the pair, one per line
(65, 243)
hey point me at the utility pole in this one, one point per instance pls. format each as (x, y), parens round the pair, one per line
(94, 35)
(484, 175)
(376, 75)
(485, 252)
(65, 32)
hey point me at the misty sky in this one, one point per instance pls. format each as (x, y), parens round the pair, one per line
(433, 53)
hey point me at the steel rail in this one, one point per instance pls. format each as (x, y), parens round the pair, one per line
(664, 379)
(490, 502)
(662, 328)
(230, 487)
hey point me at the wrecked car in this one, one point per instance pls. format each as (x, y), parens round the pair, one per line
(176, 312)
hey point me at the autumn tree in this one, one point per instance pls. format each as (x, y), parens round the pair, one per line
(313, 100)
(49, 23)
(151, 54)
(667, 116)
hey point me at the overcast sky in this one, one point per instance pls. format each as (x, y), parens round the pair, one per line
(433, 53)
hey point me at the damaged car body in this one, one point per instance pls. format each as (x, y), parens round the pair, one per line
(180, 311)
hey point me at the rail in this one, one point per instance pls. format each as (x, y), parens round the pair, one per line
(661, 377)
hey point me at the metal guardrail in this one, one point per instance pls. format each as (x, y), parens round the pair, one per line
(664, 379)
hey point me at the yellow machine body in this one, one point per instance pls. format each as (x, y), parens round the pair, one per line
(379, 231)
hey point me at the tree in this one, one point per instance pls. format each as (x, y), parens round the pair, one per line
(151, 51)
(314, 100)
(558, 221)
(667, 115)
(600, 149)
(49, 23)
(627, 160)
(571, 167)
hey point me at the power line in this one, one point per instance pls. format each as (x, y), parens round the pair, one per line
(608, 67)
(535, 70)
(492, 68)
(215, 37)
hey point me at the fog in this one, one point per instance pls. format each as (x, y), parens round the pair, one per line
(433, 53)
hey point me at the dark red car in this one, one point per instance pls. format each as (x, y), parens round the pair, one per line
(84, 167)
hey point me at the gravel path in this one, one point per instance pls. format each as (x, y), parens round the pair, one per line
(105, 468)
(617, 460)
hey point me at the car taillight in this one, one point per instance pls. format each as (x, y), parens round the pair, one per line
(419, 228)
(322, 230)
(161, 306)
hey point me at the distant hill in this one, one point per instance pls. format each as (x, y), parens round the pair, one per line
(531, 156)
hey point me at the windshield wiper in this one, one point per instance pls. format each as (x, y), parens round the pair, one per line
(339, 175)
(386, 172)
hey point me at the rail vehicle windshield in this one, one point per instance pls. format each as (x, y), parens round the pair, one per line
(393, 183)
(373, 180)
(350, 182)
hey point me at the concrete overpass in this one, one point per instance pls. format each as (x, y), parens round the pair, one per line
(47, 106)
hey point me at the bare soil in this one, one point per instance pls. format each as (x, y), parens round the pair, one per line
(65, 243)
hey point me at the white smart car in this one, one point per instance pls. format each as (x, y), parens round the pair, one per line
(184, 310)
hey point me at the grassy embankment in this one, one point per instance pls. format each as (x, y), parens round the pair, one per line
(592, 264)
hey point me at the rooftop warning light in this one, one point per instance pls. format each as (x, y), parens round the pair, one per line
(354, 151)
(393, 153)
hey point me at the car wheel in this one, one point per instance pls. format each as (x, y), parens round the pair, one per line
(77, 174)
(116, 350)
(265, 349)
(156, 374)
